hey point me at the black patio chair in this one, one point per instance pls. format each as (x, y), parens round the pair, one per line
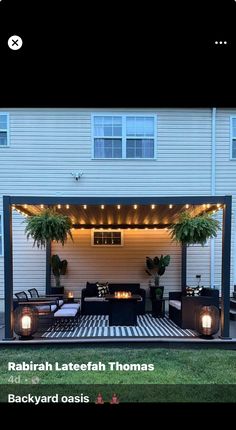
(44, 305)
(34, 294)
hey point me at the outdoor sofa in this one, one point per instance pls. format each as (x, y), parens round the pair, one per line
(91, 304)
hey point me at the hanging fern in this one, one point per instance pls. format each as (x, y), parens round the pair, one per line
(192, 230)
(48, 226)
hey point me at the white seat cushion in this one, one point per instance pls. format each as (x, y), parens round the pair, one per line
(175, 303)
(69, 312)
(47, 308)
(95, 299)
(71, 306)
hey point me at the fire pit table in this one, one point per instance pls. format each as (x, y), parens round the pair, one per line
(123, 308)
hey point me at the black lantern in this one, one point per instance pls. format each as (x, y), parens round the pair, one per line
(207, 321)
(25, 321)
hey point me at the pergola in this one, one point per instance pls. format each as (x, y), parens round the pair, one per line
(118, 212)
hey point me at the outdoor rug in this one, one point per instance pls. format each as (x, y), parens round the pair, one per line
(93, 326)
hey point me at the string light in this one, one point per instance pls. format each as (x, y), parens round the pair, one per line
(153, 206)
(102, 206)
(67, 206)
(42, 206)
(135, 206)
(25, 206)
(85, 206)
(170, 206)
(187, 206)
(208, 206)
(118, 207)
(218, 205)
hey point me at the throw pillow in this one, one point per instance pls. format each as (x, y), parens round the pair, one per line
(91, 289)
(102, 289)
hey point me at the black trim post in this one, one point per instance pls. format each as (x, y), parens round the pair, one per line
(225, 274)
(8, 268)
(183, 266)
(48, 268)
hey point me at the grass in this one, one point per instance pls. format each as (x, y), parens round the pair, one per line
(189, 368)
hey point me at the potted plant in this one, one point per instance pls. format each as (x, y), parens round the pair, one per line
(59, 268)
(192, 230)
(48, 226)
(155, 267)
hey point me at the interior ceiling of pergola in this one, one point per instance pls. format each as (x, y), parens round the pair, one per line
(126, 216)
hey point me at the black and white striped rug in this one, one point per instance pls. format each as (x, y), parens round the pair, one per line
(93, 326)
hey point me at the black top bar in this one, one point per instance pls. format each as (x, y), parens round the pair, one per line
(145, 200)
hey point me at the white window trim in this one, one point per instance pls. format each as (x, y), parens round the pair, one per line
(8, 130)
(124, 137)
(1, 235)
(232, 117)
(109, 231)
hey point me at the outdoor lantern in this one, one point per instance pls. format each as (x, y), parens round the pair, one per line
(207, 321)
(70, 295)
(25, 321)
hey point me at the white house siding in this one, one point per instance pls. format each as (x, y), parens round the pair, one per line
(46, 145)
(226, 177)
(118, 264)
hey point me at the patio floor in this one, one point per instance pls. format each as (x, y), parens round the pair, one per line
(93, 326)
(65, 335)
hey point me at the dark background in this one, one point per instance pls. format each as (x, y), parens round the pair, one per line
(118, 53)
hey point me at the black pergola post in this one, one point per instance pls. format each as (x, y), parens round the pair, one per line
(8, 268)
(48, 268)
(183, 266)
(225, 274)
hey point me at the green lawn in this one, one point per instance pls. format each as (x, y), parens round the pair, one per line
(172, 367)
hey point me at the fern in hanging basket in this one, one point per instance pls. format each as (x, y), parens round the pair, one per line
(48, 226)
(194, 230)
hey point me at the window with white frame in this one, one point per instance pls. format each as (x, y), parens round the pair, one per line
(124, 136)
(1, 236)
(233, 134)
(107, 238)
(4, 129)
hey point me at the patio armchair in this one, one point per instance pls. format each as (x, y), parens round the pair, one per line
(34, 294)
(43, 305)
(182, 308)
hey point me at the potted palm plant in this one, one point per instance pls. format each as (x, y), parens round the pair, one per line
(155, 267)
(59, 268)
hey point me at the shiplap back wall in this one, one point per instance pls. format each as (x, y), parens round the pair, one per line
(46, 145)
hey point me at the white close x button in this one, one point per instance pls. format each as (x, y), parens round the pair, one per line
(15, 43)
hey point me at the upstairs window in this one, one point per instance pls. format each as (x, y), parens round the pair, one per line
(4, 129)
(124, 136)
(107, 137)
(139, 137)
(233, 141)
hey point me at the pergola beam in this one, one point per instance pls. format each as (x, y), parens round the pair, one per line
(178, 200)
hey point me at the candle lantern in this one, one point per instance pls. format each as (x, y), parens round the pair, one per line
(207, 321)
(25, 321)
